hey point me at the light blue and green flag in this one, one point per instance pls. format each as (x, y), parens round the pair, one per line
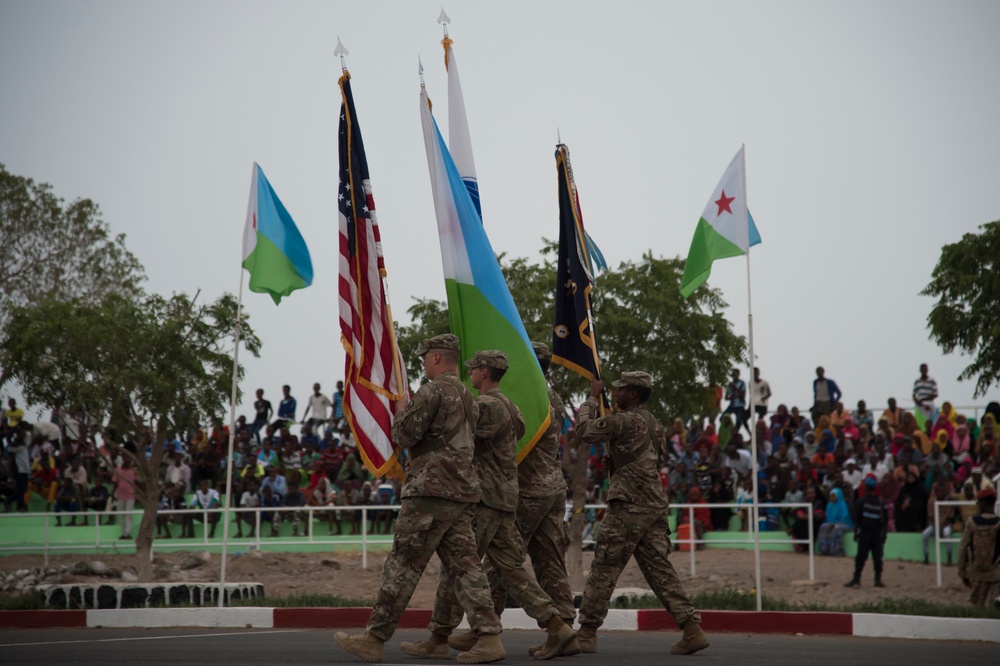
(273, 249)
(480, 307)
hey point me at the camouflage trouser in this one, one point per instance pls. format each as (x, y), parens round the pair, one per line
(543, 531)
(632, 529)
(498, 540)
(985, 593)
(427, 525)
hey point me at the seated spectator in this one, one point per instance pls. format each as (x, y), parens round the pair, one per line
(947, 516)
(852, 476)
(98, 499)
(178, 473)
(719, 494)
(308, 436)
(295, 498)
(367, 496)
(78, 474)
(863, 416)
(251, 499)
(911, 505)
(205, 497)
(291, 459)
(351, 473)
(744, 498)
(386, 497)
(44, 481)
(171, 499)
(702, 516)
(838, 521)
(270, 499)
(268, 456)
(67, 500)
(277, 483)
(800, 523)
(310, 456)
(325, 495)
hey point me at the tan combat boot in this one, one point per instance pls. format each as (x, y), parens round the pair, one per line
(362, 645)
(587, 638)
(694, 639)
(435, 647)
(572, 648)
(486, 650)
(465, 641)
(559, 637)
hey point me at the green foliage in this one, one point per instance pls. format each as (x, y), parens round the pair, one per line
(966, 318)
(137, 366)
(730, 599)
(22, 602)
(49, 249)
(641, 322)
(306, 600)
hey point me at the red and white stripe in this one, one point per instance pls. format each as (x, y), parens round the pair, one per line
(371, 383)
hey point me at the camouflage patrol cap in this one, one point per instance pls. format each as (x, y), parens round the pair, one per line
(491, 358)
(443, 341)
(638, 379)
(541, 351)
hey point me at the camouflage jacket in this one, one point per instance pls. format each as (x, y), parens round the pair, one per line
(636, 442)
(540, 472)
(435, 428)
(496, 449)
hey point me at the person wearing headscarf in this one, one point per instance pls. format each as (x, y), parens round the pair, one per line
(838, 521)
(823, 424)
(710, 436)
(961, 441)
(911, 505)
(725, 430)
(943, 424)
(888, 490)
(871, 527)
(973, 426)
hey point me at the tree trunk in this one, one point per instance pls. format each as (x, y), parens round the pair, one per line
(577, 467)
(149, 495)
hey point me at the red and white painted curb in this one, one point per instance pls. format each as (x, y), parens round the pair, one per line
(744, 622)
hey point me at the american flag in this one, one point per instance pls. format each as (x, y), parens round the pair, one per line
(375, 374)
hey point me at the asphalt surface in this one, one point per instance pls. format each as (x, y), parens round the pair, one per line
(315, 646)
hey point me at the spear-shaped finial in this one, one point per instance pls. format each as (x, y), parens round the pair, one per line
(341, 51)
(447, 41)
(420, 71)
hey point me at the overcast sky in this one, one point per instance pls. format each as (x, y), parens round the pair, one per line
(870, 128)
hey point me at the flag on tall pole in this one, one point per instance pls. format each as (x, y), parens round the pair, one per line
(725, 228)
(375, 374)
(459, 137)
(480, 307)
(573, 343)
(274, 252)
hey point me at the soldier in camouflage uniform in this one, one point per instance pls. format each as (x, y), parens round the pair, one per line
(541, 506)
(636, 521)
(499, 428)
(439, 500)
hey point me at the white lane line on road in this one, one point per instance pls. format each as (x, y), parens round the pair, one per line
(155, 638)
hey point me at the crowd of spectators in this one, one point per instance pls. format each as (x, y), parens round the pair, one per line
(821, 456)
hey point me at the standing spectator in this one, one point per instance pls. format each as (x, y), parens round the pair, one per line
(925, 392)
(12, 420)
(979, 552)
(124, 480)
(319, 405)
(338, 404)
(263, 413)
(286, 409)
(761, 390)
(736, 394)
(826, 394)
(871, 527)
(20, 468)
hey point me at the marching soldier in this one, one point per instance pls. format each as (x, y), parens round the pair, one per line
(636, 522)
(439, 500)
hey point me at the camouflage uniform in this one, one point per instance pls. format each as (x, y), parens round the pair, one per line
(438, 503)
(499, 428)
(541, 509)
(636, 522)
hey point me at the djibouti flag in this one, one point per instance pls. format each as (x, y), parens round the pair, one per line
(480, 307)
(273, 249)
(725, 229)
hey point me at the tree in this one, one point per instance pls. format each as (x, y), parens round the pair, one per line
(49, 249)
(965, 317)
(140, 368)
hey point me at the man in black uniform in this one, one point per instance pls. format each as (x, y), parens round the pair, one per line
(871, 525)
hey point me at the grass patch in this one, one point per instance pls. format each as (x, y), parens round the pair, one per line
(21, 602)
(733, 600)
(306, 601)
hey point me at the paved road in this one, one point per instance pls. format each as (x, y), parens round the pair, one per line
(311, 646)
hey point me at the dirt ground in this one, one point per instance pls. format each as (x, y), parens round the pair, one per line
(784, 575)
